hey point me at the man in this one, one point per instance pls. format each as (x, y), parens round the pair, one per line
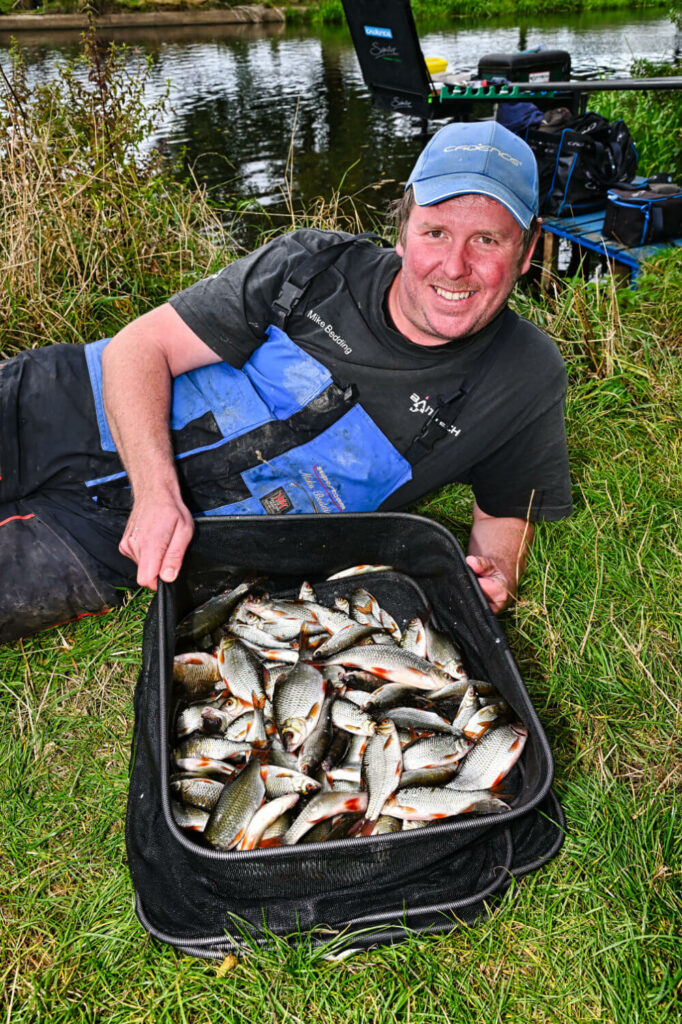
(320, 373)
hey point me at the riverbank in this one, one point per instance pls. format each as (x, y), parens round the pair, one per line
(251, 14)
(129, 13)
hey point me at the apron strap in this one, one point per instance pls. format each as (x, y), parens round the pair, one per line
(309, 268)
(449, 407)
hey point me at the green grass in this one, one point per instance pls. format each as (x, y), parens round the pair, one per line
(331, 11)
(594, 936)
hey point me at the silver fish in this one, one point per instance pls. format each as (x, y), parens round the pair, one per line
(484, 718)
(211, 614)
(324, 805)
(414, 638)
(491, 759)
(316, 744)
(240, 799)
(266, 816)
(351, 718)
(197, 791)
(382, 767)
(344, 638)
(430, 803)
(359, 570)
(419, 719)
(197, 672)
(444, 652)
(219, 720)
(298, 704)
(393, 664)
(467, 707)
(189, 817)
(240, 672)
(279, 781)
(212, 746)
(436, 751)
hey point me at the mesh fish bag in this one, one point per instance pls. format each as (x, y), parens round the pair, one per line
(374, 890)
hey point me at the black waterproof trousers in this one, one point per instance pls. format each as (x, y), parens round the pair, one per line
(59, 557)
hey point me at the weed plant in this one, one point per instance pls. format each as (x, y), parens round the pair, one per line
(91, 232)
(654, 119)
(594, 936)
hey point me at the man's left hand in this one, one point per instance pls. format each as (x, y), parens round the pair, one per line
(492, 582)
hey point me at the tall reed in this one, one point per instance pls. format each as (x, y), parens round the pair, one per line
(92, 232)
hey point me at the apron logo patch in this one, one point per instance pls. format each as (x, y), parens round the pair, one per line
(277, 502)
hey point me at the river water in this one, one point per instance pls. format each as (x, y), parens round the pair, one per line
(256, 109)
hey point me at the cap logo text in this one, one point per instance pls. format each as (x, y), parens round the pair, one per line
(480, 147)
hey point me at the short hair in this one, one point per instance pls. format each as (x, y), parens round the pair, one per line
(400, 209)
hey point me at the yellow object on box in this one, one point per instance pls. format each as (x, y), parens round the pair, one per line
(436, 65)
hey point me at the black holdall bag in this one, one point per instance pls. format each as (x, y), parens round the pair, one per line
(356, 892)
(578, 163)
(644, 214)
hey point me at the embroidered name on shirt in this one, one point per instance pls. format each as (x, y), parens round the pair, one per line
(329, 329)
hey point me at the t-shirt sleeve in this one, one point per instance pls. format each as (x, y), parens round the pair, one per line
(230, 310)
(528, 476)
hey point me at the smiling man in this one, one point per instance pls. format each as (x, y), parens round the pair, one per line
(321, 373)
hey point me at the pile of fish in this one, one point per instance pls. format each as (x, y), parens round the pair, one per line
(299, 722)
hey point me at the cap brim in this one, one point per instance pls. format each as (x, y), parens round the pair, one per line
(446, 186)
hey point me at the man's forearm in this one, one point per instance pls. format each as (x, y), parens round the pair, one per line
(138, 367)
(498, 552)
(137, 389)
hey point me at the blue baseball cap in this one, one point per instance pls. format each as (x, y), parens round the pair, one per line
(481, 157)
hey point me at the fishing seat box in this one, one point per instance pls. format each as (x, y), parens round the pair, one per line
(643, 214)
(352, 893)
(534, 66)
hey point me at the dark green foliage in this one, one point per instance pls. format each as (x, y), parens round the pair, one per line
(654, 119)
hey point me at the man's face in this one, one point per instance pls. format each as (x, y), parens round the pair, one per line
(461, 259)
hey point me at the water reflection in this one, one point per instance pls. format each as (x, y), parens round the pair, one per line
(246, 97)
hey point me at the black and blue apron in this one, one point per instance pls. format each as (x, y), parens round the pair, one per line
(278, 435)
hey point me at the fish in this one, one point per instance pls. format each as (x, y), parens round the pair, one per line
(394, 664)
(324, 805)
(211, 614)
(240, 799)
(197, 791)
(297, 704)
(413, 638)
(435, 751)
(240, 672)
(431, 803)
(382, 766)
(491, 759)
(266, 816)
(351, 718)
(197, 673)
(359, 570)
(185, 816)
(279, 781)
(360, 727)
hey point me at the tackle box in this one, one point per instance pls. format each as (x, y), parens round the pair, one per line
(535, 66)
(353, 892)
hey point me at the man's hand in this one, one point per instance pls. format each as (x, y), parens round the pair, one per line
(492, 582)
(138, 367)
(498, 547)
(156, 538)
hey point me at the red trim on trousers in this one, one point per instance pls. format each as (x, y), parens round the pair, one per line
(9, 519)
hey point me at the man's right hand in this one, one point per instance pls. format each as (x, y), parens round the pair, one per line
(156, 538)
(138, 367)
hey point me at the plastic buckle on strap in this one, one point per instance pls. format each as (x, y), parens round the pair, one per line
(286, 300)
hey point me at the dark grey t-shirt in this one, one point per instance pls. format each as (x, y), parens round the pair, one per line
(508, 442)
